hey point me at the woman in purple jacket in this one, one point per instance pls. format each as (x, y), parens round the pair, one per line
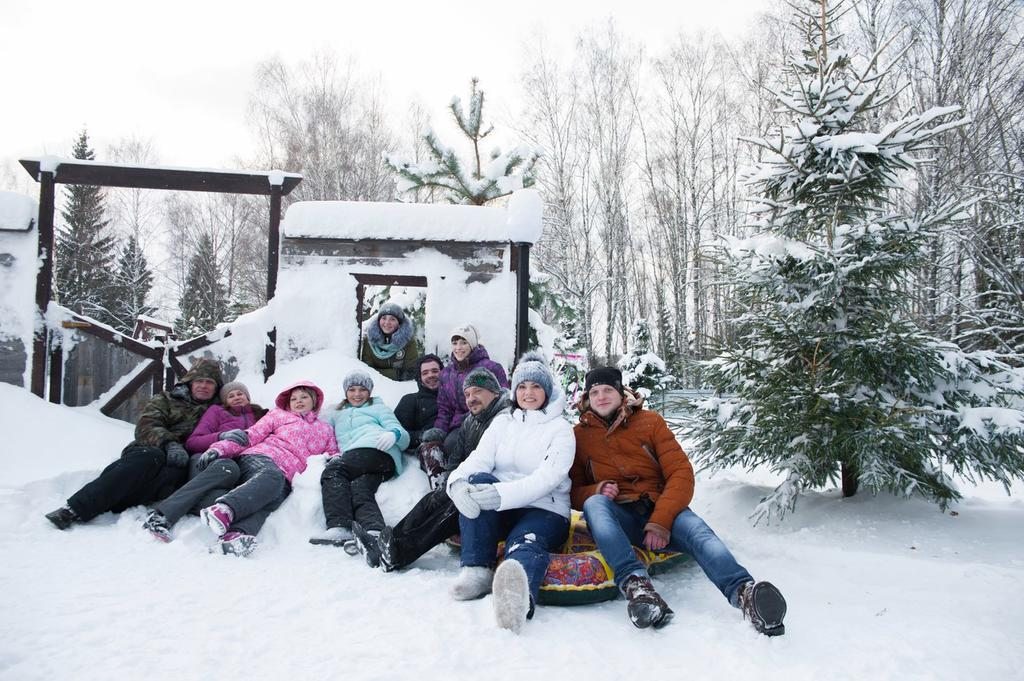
(467, 354)
(227, 422)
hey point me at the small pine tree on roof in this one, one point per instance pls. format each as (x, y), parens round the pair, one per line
(474, 183)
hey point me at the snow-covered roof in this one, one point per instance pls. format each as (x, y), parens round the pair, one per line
(519, 221)
(17, 212)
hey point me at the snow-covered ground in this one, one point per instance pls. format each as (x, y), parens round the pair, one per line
(878, 588)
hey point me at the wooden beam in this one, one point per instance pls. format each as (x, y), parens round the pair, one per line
(389, 280)
(129, 388)
(82, 324)
(522, 299)
(44, 280)
(56, 372)
(173, 179)
(190, 346)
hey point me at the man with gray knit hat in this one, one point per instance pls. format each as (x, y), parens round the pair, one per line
(434, 518)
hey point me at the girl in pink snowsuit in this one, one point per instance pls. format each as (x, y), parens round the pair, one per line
(277, 448)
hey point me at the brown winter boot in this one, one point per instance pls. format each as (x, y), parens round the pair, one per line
(764, 606)
(646, 608)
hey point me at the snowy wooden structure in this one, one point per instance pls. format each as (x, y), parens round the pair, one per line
(17, 272)
(473, 261)
(50, 171)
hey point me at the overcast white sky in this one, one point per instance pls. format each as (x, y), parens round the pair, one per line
(181, 73)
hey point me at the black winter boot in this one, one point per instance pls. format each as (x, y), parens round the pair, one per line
(764, 606)
(646, 608)
(63, 518)
(367, 543)
(387, 549)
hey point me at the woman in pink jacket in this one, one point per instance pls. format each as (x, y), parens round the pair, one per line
(273, 451)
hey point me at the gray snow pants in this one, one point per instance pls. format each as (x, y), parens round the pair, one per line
(264, 488)
(202, 489)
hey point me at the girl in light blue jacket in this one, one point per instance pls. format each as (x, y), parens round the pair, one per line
(371, 441)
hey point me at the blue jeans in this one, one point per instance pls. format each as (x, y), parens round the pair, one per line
(617, 527)
(530, 534)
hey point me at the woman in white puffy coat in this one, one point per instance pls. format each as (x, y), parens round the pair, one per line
(515, 486)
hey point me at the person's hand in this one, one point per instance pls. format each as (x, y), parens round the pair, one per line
(486, 496)
(386, 440)
(238, 436)
(432, 435)
(654, 541)
(459, 493)
(206, 458)
(610, 490)
(177, 457)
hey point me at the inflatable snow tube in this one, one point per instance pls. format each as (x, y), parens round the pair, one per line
(579, 575)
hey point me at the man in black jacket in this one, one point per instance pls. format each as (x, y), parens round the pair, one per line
(434, 518)
(417, 411)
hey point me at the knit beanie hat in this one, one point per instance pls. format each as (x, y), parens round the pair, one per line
(482, 378)
(392, 309)
(234, 385)
(357, 378)
(469, 332)
(603, 376)
(533, 367)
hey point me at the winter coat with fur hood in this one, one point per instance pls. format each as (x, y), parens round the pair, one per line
(395, 356)
(530, 452)
(357, 427)
(286, 437)
(639, 452)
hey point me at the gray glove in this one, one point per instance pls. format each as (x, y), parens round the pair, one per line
(486, 496)
(177, 457)
(238, 436)
(459, 494)
(432, 435)
(206, 458)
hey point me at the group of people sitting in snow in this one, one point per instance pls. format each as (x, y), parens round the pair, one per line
(503, 462)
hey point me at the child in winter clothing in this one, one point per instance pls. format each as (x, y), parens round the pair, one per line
(390, 345)
(467, 354)
(225, 421)
(515, 486)
(276, 448)
(372, 440)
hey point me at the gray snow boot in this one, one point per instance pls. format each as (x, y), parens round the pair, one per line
(511, 589)
(63, 517)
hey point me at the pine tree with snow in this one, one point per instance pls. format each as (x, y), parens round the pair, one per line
(830, 379)
(642, 369)
(203, 303)
(133, 281)
(85, 251)
(474, 182)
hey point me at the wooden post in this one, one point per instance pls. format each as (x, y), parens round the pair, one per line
(44, 280)
(56, 371)
(273, 261)
(523, 298)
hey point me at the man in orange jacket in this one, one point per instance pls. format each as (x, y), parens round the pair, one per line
(635, 483)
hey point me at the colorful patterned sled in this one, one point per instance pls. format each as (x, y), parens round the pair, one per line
(579, 574)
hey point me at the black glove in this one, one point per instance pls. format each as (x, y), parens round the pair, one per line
(177, 457)
(238, 436)
(206, 458)
(432, 435)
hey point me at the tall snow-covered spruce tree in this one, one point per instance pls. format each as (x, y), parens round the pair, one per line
(830, 379)
(203, 302)
(477, 181)
(133, 281)
(85, 249)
